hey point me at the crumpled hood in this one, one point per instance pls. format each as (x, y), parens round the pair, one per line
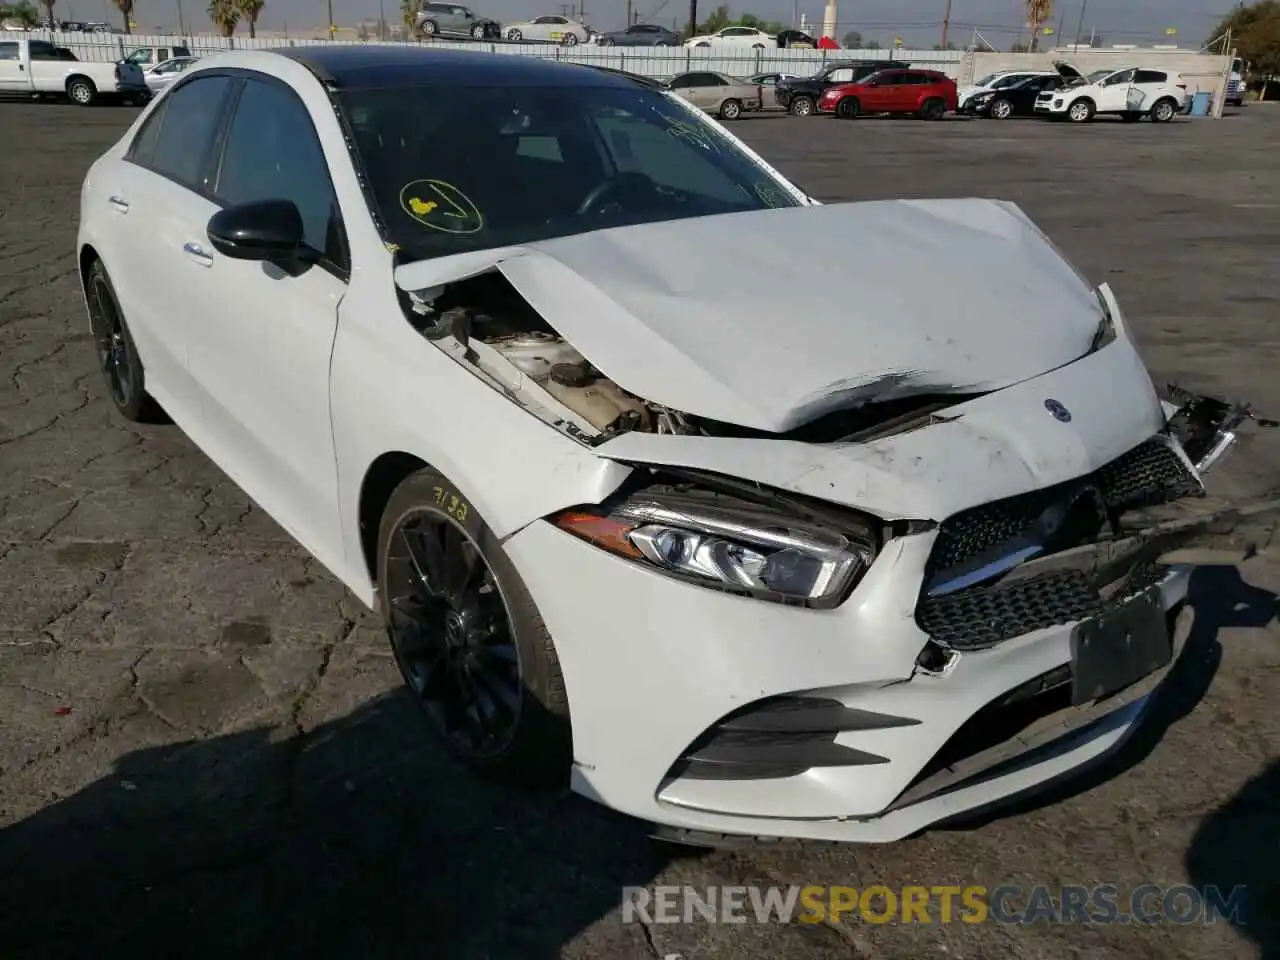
(771, 318)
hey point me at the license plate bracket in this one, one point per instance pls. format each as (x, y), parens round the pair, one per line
(1120, 647)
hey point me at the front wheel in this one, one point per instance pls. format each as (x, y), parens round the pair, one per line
(570, 40)
(848, 108)
(730, 110)
(478, 31)
(1081, 111)
(469, 641)
(428, 28)
(515, 35)
(1001, 110)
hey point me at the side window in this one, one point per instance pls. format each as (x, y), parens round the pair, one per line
(679, 83)
(1123, 77)
(8, 51)
(1150, 76)
(42, 50)
(843, 75)
(272, 153)
(186, 130)
(143, 148)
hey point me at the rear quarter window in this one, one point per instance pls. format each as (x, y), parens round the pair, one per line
(1150, 76)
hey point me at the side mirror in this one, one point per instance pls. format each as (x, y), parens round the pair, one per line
(262, 230)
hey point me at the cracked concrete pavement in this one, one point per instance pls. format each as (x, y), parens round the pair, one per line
(203, 748)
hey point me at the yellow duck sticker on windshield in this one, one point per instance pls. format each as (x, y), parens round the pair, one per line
(440, 205)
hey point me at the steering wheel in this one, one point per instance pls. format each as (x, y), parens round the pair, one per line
(626, 181)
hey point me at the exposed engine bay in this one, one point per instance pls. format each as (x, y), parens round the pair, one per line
(485, 324)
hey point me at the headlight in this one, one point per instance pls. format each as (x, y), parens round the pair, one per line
(731, 544)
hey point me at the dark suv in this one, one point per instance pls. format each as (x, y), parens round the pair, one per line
(800, 95)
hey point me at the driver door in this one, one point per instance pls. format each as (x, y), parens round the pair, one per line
(1113, 96)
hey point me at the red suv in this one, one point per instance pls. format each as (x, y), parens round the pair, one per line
(926, 93)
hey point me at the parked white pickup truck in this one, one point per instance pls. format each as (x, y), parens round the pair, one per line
(37, 67)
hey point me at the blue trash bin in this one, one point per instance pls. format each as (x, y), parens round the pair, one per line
(1201, 101)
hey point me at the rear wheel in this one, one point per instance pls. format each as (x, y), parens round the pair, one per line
(469, 642)
(515, 35)
(848, 108)
(570, 40)
(428, 28)
(478, 31)
(1163, 111)
(801, 106)
(81, 91)
(730, 110)
(118, 358)
(932, 109)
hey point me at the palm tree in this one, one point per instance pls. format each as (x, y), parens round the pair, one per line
(250, 10)
(126, 10)
(409, 10)
(225, 15)
(1038, 14)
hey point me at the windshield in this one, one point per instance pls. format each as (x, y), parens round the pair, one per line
(985, 81)
(1099, 75)
(494, 166)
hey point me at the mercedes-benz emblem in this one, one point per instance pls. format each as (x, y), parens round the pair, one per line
(1059, 412)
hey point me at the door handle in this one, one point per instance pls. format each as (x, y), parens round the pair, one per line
(196, 254)
(121, 206)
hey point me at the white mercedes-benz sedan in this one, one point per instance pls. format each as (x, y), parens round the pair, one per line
(503, 343)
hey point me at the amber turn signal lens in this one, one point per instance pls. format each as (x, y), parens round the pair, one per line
(604, 532)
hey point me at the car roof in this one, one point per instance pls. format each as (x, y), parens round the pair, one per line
(371, 67)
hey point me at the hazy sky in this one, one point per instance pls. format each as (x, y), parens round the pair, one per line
(918, 22)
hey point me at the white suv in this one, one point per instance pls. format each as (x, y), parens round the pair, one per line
(996, 81)
(1130, 92)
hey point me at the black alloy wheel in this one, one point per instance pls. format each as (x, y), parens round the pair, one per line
(451, 634)
(117, 355)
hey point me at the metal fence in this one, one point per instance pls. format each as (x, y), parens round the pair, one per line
(647, 61)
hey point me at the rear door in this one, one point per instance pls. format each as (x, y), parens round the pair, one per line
(155, 202)
(1147, 86)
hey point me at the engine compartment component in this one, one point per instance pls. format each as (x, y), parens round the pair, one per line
(485, 323)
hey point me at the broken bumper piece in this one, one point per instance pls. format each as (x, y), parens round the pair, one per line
(834, 725)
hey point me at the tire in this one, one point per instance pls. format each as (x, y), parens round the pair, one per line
(570, 40)
(118, 359)
(932, 109)
(478, 31)
(1000, 109)
(444, 647)
(1081, 111)
(1163, 110)
(81, 91)
(606, 42)
(730, 110)
(428, 28)
(801, 106)
(515, 36)
(848, 108)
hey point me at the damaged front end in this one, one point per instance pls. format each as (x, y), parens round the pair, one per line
(1097, 545)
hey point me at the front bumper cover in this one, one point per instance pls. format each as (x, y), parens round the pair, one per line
(886, 750)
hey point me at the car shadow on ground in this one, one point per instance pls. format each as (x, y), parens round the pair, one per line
(1220, 598)
(1236, 846)
(355, 840)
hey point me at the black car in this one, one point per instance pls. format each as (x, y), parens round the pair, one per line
(641, 35)
(1016, 100)
(799, 95)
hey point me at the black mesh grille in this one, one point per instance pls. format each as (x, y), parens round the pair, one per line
(984, 616)
(1147, 475)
